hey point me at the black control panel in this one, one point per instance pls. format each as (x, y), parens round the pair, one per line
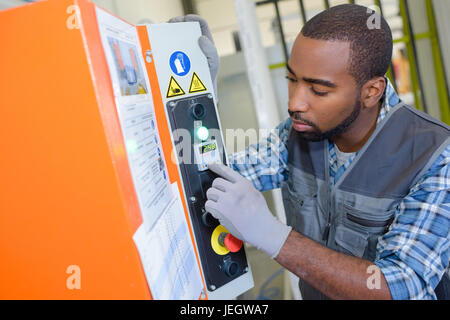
(198, 140)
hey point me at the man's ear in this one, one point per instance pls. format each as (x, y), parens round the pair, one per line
(372, 91)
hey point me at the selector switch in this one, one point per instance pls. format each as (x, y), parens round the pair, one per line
(198, 111)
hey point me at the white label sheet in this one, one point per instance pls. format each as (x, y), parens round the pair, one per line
(168, 255)
(135, 108)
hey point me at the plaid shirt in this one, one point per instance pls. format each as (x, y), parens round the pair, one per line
(414, 254)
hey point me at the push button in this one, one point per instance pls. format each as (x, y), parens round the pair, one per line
(230, 267)
(230, 242)
(222, 242)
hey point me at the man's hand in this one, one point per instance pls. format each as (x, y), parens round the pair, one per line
(243, 211)
(206, 43)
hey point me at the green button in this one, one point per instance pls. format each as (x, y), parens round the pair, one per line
(202, 133)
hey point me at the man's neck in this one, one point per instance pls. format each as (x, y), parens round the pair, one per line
(359, 132)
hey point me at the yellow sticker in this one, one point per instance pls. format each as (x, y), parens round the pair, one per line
(174, 89)
(196, 84)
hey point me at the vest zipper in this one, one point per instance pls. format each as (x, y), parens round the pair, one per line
(326, 232)
(369, 223)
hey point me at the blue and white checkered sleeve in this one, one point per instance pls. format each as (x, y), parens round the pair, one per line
(414, 254)
(265, 163)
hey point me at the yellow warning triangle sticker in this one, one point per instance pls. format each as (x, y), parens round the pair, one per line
(196, 84)
(174, 89)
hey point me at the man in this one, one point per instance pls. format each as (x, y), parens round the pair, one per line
(364, 178)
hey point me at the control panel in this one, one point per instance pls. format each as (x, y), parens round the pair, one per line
(198, 141)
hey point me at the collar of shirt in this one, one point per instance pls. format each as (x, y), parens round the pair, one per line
(390, 99)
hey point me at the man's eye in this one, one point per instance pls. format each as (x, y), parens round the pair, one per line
(319, 93)
(291, 79)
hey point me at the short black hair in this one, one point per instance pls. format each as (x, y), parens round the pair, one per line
(371, 44)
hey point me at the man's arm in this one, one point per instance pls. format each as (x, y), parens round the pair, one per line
(335, 274)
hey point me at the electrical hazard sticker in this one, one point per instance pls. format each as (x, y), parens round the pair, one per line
(174, 89)
(196, 84)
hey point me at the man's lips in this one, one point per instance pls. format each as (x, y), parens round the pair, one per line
(300, 122)
(301, 126)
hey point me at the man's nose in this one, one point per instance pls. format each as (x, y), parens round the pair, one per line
(298, 101)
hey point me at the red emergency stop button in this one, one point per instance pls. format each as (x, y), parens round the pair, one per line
(230, 242)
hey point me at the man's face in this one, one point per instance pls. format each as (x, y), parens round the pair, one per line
(324, 99)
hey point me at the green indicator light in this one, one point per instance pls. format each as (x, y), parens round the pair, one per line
(202, 133)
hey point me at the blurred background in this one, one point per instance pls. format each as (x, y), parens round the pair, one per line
(420, 71)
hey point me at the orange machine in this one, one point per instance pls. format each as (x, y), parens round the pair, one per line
(68, 202)
(67, 197)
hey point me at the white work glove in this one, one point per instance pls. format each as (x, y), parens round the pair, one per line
(206, 44)
(243, 211)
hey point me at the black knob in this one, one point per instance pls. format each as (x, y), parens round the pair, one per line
(231, 268)
(198, 111)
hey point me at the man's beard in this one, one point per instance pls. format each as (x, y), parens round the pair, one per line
(317, 134)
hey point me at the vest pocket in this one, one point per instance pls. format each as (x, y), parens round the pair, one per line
(377, 222)
(301, 211)
(353, 242)
(368, 226)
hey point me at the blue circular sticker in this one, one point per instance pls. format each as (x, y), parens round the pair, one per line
(180, 63)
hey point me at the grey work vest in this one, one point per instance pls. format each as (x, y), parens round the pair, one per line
(360, 208)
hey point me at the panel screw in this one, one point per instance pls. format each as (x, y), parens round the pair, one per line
(212, 287)
(210, 96)
(148, 56)
(172, 104)
(193, 199)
